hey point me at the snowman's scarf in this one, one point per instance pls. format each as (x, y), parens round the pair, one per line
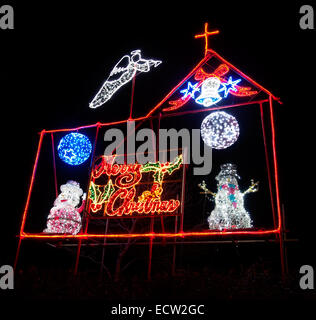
(232, 188)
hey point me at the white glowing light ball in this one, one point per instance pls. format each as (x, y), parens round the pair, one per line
(219, 130)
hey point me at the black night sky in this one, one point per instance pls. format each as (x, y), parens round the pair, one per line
(59, 54)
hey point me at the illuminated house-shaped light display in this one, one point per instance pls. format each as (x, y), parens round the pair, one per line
(213, 84)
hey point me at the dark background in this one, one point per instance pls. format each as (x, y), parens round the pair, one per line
(59, 54)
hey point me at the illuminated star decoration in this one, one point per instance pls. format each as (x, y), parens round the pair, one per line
(190, 90)
(213, 88)
(229, 85)
(69, 154)
(74, 148)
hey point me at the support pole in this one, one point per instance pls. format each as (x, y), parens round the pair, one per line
(153, 141)
(54, 164)
(150, 250)
(17, 253)
(155, 145)
(183, 190)
(276, 178)
(77, 257)
(90, 176)
(132, 98)
(103, 249)
(268, 166)
(28, 198)
(84, 216)
(157, 138)
(282, 255)
(173, 269)
(284, 241)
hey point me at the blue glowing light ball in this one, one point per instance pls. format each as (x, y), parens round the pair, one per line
(74, 148)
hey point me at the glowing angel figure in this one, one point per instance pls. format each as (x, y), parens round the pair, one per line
(123, 72)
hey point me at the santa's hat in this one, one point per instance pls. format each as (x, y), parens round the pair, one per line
(73, 186)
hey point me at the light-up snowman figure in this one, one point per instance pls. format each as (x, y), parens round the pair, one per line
(229, 211)
(65, 217)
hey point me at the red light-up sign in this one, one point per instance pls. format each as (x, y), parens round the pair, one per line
(130, 190)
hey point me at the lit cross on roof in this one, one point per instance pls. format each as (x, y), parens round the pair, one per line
(206, 34)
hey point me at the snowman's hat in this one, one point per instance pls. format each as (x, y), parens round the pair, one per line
(228, 169)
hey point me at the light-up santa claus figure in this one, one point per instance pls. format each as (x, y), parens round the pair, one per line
(65, 217)
(229, 211)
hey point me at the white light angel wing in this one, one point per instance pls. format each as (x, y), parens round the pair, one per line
(122, 73)
(120, 68)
